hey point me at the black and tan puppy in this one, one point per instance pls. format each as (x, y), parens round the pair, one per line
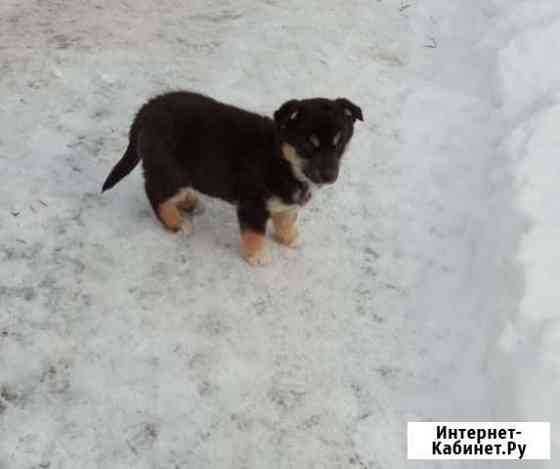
(266, 167)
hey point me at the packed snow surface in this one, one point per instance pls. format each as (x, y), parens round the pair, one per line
(425, 286)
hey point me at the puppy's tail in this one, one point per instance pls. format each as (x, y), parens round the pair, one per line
(126, 164)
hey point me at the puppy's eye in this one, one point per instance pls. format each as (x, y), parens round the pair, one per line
(336, 139)
(315, 141)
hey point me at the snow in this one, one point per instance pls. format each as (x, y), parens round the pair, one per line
(424, 287)
(530, 91)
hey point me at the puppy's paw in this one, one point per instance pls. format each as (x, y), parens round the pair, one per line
(253, 248)
(186, 228)
(192, 207)
(295, 243)
(189, 202)
(260, 258)
(198, 209)
(170, 217)
(289, 238)
(285, 229)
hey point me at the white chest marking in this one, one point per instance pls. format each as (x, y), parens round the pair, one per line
(275, 205)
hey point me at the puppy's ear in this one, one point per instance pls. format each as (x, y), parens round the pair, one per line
(287, 112)
(350, 109)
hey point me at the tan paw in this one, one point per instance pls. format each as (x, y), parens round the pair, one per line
(260, 258)
(290, 239)
(186, 228)
(285, 229)
(199, 209)
(253, 248)
(170, 216)
(192, 207)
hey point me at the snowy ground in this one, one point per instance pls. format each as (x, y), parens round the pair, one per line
(425, 285)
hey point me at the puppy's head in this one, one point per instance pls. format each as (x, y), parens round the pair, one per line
(315, 133)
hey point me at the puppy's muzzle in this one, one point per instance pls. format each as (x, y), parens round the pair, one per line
(328, 175)
(325, 175)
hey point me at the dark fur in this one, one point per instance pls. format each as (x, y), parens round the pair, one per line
(189, 140)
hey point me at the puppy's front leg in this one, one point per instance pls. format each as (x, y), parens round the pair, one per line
(252, 221)
(285, 230)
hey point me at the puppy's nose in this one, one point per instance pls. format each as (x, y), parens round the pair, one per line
(329, 175)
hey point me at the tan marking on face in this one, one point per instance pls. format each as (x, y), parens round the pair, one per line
(253, 248)
(285, 230)
(290, 154)
(336, 139)
(315, 141)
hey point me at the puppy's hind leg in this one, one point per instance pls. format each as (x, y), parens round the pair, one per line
(166, 207)
(189, 202)
(173, 219)
(163, 178)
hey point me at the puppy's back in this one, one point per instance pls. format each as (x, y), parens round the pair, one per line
(200, 120)
(207, 142)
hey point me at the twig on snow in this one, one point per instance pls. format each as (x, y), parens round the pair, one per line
(432, 44)
(404, 6)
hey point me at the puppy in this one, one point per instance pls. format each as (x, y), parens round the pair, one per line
(265, 167)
